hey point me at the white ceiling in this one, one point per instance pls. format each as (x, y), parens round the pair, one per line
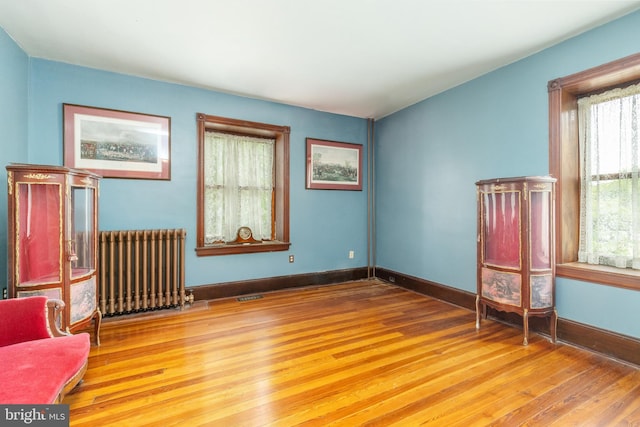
(363, 58)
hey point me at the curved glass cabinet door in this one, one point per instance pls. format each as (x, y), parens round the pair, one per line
(38, 246)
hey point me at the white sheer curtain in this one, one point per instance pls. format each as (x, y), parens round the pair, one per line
(609, 137)
(238, 185)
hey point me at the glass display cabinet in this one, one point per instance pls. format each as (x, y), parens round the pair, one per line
(52, 239)
(516, 249)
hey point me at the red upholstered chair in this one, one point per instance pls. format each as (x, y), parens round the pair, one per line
(39, 363)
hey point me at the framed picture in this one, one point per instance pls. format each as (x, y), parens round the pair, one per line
(117, 144)
(333, 165)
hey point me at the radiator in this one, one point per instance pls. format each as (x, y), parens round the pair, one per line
(141, 270)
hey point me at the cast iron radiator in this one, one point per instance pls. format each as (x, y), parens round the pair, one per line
(141, 270)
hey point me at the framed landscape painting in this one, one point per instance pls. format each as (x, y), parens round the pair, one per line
(333, 165)
(117, 144)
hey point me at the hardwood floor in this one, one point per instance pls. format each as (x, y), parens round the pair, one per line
(361, 353)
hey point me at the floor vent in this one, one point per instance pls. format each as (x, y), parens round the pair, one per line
(249, 297)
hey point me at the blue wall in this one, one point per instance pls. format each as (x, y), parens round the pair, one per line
(325, 225)
(14, 95)
(429, 156)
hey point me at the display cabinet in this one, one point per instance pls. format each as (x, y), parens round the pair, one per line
(52, 239)
(516, 249)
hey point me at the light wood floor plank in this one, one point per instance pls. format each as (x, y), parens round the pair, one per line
(613, 405)
(358, 353)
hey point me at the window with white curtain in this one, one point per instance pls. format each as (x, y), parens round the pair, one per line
(238, 186)
(609, 143)
(243, 181)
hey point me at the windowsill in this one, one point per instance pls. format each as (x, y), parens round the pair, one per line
(610, 276)
(229, 248)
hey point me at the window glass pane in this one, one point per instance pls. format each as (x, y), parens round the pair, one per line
(501, 224)
(539, 217)
(39, 237)
(238, 186)
(82, 231)
(612, 135)
(610, 196)
(612, 220)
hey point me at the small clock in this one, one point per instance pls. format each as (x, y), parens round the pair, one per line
(245, 235)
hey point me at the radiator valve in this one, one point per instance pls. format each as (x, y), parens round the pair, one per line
(189, 298)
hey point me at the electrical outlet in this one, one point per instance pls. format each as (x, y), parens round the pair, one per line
(291, 258)
(351, 254)
(4, 293)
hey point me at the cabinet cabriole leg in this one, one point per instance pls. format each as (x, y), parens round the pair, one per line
(97, 322)
(554, 325)
(525, 319)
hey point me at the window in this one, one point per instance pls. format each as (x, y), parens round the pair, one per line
(564, 164)
(243, 180)
(238, 186)
(609, 140)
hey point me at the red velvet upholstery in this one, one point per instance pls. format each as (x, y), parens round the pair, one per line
(35, 372)
(23, 319)
(34, 366)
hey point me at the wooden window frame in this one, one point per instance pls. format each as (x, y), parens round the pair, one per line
(564, 166)
(281, 199)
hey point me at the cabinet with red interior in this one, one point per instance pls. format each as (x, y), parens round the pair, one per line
(516, 249)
